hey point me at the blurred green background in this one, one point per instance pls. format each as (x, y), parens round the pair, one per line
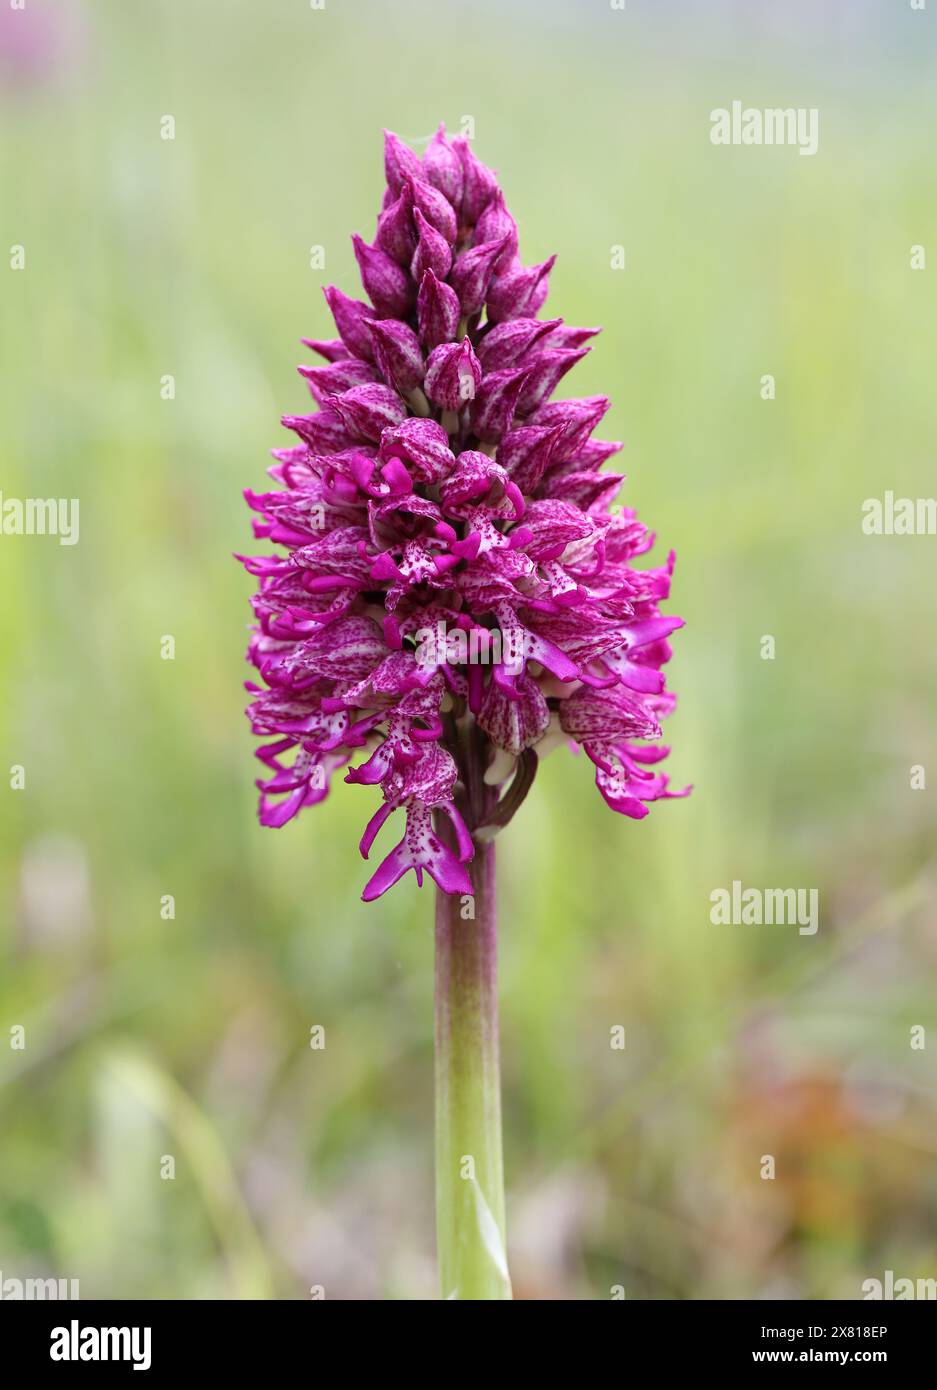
(149, 1036)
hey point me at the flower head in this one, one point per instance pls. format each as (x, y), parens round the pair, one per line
(452, 594)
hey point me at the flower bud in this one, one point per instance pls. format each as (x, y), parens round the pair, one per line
(472, 273)
(432, 250)
(520, 292)
(506, 343)
(545, 372)
(496, 224)
(442, 167)
(479, 183)
(324, 432)
(395, 234)
(400, 163)
(566, 336)
(350, 317)
(389, 288)
(526, 453)
(453, 375)
(495, 403)
(367, 411)
(434, 207)
(437, 311)
(578, 419)
(337, 376)
(332, 349)
(397, 353)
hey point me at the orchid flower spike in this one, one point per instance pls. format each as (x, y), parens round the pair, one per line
(449, 573)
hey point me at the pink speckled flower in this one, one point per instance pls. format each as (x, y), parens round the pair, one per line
(451, 594)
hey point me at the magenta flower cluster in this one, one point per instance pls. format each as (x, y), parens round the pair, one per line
(437, 489)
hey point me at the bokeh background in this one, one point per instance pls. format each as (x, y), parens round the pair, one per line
(189, 1036)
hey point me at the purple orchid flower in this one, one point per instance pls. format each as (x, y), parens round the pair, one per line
(438, 490)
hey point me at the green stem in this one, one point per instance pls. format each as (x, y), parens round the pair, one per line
(469, 1166)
